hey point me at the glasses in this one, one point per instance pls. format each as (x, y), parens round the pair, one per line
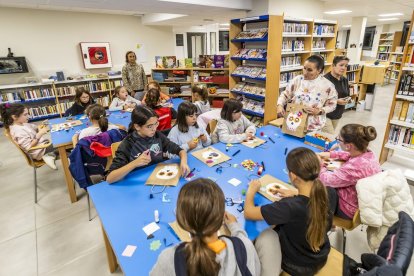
(152, 126)
(233, 201)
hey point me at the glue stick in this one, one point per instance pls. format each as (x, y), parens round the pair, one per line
(156, 216)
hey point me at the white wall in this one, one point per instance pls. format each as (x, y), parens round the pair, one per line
(341, 38)
(396, 27)
(260, 7)
(50, 40)
(297, 8)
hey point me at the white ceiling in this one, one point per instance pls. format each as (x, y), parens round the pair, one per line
(219, 11)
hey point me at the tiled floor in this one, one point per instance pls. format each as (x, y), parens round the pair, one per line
(54, 237)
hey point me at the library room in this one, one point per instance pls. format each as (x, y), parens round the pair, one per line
(188, 137)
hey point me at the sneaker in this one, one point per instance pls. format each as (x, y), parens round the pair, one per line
(50, 161)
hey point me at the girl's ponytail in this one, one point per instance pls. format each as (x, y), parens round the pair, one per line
(97, 112)
(318, 219)
(201, 260)
(103, 123)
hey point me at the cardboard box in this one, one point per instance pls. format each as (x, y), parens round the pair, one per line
(319, 142)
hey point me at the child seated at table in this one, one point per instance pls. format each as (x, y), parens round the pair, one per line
(122, 100)
(233, 127)
(201, 212)
(143, 146)
(166, 115)
(16, 120)
(360, 162)
(200, 95)
(297, 241)
(99, 122)
(187, 133)
(154, 84)
(82, 100)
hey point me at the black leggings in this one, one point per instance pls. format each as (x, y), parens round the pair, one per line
(334, 203)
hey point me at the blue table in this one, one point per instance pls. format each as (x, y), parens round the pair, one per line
(125, 207)
(62, 140)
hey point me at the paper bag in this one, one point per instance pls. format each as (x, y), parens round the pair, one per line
(186, 237)
(296, 120)
(269, 183)
(165, 175)
(210, 156)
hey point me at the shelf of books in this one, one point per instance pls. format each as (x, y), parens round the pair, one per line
(353, 74)
(52, 99)
(254, 75)
(398, 143)
(324, 40)
(177, 82)
(388, 44)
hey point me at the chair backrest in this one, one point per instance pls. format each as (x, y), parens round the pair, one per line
(75, 139)
(29, 161)
(114, 147)
(212, 126)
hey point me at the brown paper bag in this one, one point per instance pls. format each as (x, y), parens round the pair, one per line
(253, 142)
(186, 237)
(268, 183)
(164, 175)
(296, 120)
(210, 156)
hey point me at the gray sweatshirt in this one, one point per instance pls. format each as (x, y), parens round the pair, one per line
(181, 138)
(226, 258)
(232, 132)
(202, 106)
(118, 104)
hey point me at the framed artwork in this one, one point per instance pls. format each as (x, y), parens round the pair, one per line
(12, 65)
(96, 55)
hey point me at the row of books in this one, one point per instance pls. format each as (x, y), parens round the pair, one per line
(250, 71)
(394, 75)
(104, 101)
(293, 45)
(351, 76)
(396, 58)
(351, 67)
(404, 111)
(251, 53)
(287, 76)
(257, 121)
(10, 97)
(406, 86)
(250, 88)
(402, 136)
(252, 34)
(319, 44)
(288, 61)
(383, 56)
(63, 106)
(69, 90)
(323, 30)
(37, 93)
(252, 105)
(98, 86)
(43, 111)
(295, 28)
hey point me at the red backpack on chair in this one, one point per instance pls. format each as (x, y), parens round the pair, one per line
(164, 117)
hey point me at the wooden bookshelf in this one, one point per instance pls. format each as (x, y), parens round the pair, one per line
(397, 152)
(330, 40)
(47, 100)
(190, 75)
(387, 43)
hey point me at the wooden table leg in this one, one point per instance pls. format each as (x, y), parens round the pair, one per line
(68, 176)
(112, 262)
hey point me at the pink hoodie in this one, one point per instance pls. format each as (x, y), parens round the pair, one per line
(345, 178)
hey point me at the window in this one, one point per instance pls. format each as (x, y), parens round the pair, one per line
(223, 41)
(368, 38)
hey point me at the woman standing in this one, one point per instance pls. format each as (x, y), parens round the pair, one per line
(133, 76)
(336, 76)
(312, 90)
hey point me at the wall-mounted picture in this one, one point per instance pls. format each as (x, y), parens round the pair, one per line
(96, 55)
(12, 65)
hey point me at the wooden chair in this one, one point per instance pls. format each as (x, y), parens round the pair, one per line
(114, 148)
(347, 225)
(211, 126)
(35, 164)
(333, 266)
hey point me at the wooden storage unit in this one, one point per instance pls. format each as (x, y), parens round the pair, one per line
(398, 143)
(353, 74)
(328, 37)
(49, 100)
(193, 76)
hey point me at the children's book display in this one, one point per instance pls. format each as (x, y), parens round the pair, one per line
(250, 88)
(185, 236)
(253, 142)
(251, 53)
(165, 61)
(295, 120)
(65, 126)
(252, 105)
(165, 175)
(213, 61)
(270, 185)
(250, 71)
(210, 156)
(252, 34)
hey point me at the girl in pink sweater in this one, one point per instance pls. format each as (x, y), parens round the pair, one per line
(15, 118)
(360, 162)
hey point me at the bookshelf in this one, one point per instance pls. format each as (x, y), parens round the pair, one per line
(398, 143)
(281, 53)
(256, 82)
(49, 100)
(353, 74)
(180, 80)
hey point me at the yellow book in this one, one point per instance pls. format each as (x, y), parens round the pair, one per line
(404, 111)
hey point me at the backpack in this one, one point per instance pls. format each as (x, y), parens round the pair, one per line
(180, 263)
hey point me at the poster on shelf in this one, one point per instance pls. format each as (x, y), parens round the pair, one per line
(96, 55)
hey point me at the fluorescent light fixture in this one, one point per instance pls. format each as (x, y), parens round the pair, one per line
(346, 26)
(337, 12)
(224, 24)
(390, 14)
(388, 19)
